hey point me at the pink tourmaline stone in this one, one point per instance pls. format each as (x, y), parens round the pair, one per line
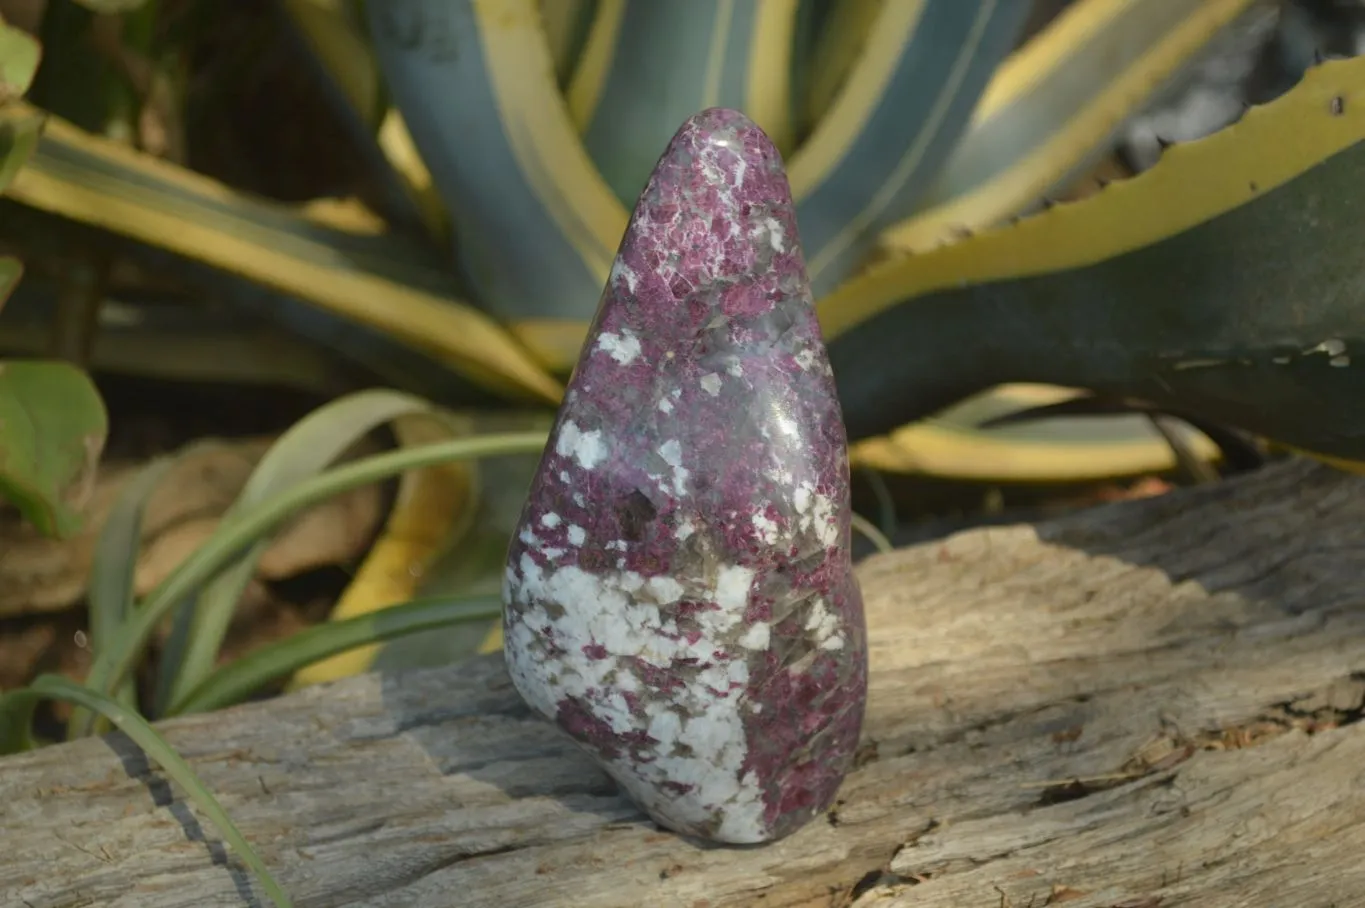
(679, 595)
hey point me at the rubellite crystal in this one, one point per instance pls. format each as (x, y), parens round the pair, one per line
(679, 595)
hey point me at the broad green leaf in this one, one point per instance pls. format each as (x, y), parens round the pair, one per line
(20, 128)
(16, 711)
(52, 430)
(242, 677)
(1053, 106)
(19, 58)
(241, 533)
(648, 66)
(1223, 283)
(355, 274)
(537, 225)
(901, 110)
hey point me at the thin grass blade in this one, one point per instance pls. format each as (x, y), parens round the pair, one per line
(233, 537)
(242, 677)
(180, 772)
(304, 451)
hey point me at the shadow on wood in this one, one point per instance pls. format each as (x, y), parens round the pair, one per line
(1143, 704)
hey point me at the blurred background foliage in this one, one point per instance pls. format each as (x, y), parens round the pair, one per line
(1064, 251)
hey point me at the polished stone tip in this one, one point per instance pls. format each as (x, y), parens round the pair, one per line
(679, 594)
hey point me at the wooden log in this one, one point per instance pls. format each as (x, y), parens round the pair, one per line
(1142, 704)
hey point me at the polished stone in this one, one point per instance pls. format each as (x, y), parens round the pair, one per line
(679, 595)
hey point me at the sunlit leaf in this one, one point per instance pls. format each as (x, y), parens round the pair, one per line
(1053, 107)
(1223, 283)
(902, 108)
(704, 53)
(19, 58)
(538, 227)
(397, 289)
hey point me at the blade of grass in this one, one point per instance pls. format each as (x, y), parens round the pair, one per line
(432, 513)
(235, 535)
(144, 736)
(110, 595)
(240, 678)
(307, 448)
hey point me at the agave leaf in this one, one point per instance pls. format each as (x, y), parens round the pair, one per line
(648, 66)
(52, 429)
(334, 37)
(537, 225)
(842, 35)
(433, 512)
(566, 24)
(979, 440)
(900, 112)
(1052, 107)
(333, 33)
(19, 58)
(1220, 283)
(392, 286)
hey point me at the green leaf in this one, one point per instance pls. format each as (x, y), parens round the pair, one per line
(240, 678)
(52, 430)
(538, 225)
(18, 706)
(20, 54)
(350, 275)
(110, 595)
(301, 453)
(648, 66)
(237, 535)
(20, 128)
(1222, 283)
(1052, 108)
(903, 107)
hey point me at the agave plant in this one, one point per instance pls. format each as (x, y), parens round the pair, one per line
(978, 289)
(524, 129)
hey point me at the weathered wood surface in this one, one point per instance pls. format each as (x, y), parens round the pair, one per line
(1192, 656)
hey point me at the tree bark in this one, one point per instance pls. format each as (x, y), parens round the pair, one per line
(1142, 704)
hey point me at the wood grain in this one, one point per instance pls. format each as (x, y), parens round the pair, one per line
(1146, 704)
